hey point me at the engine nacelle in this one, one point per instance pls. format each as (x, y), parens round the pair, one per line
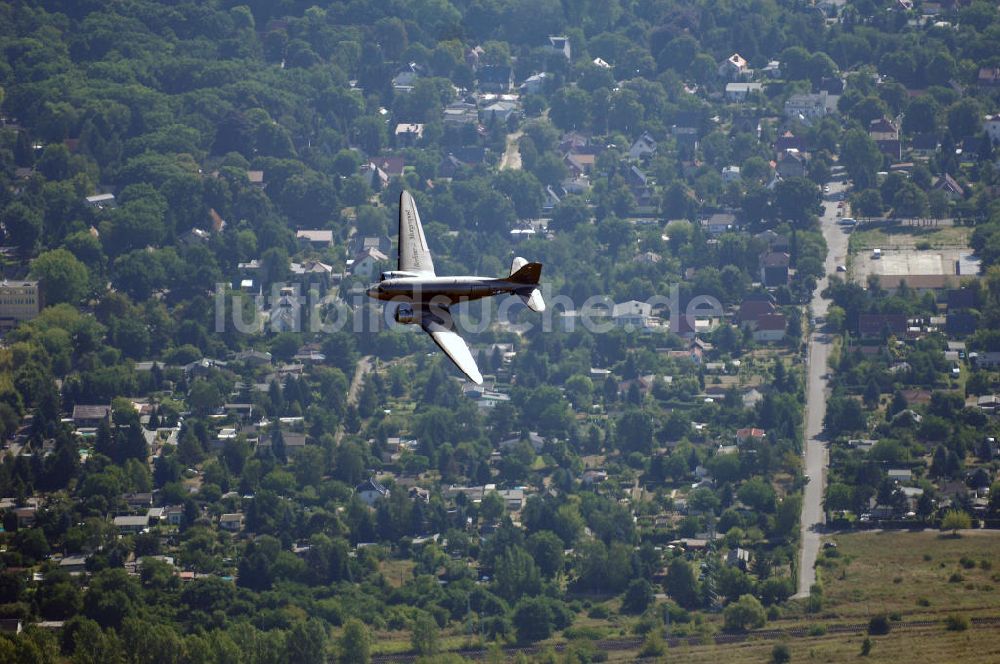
(405, 315)
(395, 274)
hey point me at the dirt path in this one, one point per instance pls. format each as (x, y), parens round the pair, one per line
(364, 365)
(512, 154)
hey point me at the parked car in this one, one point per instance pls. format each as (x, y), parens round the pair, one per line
(841, 268)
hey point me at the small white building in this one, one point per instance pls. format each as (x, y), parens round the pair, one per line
(632, 314)
(101, 201)
(731, 174)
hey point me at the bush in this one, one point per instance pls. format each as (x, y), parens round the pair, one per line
(653, 646)
(967, 562)
(956, 578)
(923, 601)
(780, 654)
(879, 625)
(957, 623)
(599, 612)
(745, 613)
(866, 647)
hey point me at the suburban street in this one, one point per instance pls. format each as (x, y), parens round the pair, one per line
(815, 452)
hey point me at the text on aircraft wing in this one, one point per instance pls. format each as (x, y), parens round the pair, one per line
(442, 331)
(414, 255)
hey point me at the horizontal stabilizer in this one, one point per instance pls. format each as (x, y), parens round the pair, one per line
(533, 299)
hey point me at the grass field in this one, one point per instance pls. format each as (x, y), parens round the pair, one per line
(918, 579)
(913, 574)
(908, 237)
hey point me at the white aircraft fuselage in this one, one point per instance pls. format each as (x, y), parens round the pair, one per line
(424, 298)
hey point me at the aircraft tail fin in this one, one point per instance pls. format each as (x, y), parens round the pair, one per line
(523, 272)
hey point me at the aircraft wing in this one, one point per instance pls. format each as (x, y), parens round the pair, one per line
(414, 255)
(444, 335)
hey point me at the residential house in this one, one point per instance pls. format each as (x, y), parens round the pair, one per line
(374, 176)
(886, 136)
(315, 238)
(985, 360)
(770, 328)
(747, 434)
(774, 269)
(460, 114)
(718, 223)
(256, 179)
(632, 314)
(173, 515)
(294, 443)
(580, 164)
(405, 79)
(792, 164)
(772, 69)
(733, 68)
(949, 186)
(131, 524)
(989, 77)
(392, 165)
(877, 325)
(408, 134)
(366, 263)
(924, 145)
(741, 91)
(499, 111)
(370, 491)
(730, 174)
(232, 523)
(642, 148)
(86, 415)
(809, 107)
(753, 308)
(19, 301)
(513, 498)
(559, 45)
(25, 515)
(534, 84)
(899, 474)
(73, 564)
(138, 501)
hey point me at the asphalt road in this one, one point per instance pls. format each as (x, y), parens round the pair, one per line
(815, 453)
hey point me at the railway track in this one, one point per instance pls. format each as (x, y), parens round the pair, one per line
(634, 643)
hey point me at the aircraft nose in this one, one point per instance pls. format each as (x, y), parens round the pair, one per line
(373, 292)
